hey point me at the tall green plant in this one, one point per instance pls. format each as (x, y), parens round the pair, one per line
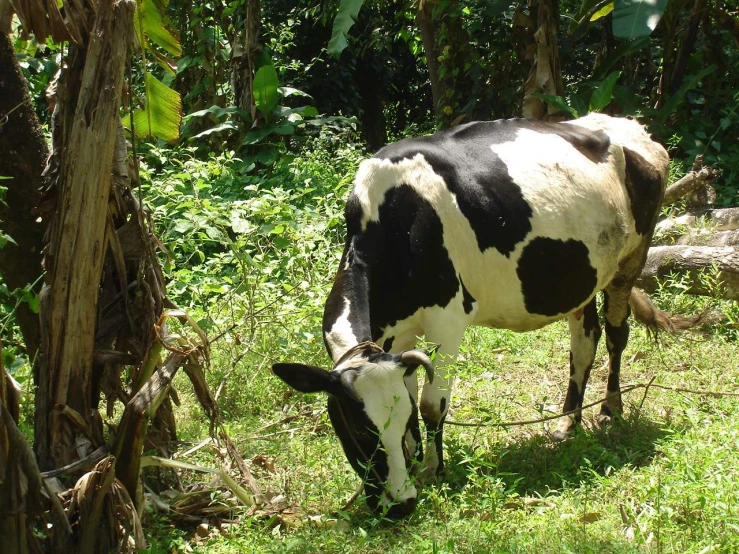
(161, 114)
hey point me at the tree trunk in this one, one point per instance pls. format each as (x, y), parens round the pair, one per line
(546, 74)
(244, 63)
(372, 120)
(426, 26)
(707, 237)
(84, 138)
(24, 156)
(20, 481)
(690, 263)
(720, 219)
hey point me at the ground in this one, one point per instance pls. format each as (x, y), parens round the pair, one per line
(663, 479)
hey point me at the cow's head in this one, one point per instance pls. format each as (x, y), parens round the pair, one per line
(371, 410)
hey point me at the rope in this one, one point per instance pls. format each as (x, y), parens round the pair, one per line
(630, 388)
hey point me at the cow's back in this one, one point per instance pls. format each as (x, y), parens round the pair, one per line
(526, 219)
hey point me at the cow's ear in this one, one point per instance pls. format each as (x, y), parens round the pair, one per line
(305, 378)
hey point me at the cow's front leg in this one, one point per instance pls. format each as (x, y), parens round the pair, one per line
(585, 331)
(434, 407)
(412, 436)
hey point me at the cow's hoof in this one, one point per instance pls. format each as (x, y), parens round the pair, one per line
(603, 420)
(560, 435)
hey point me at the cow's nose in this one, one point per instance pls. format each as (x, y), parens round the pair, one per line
(403, 508)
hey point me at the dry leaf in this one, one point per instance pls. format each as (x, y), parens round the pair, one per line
(590, 517)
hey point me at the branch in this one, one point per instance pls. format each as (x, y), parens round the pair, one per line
(688, 183)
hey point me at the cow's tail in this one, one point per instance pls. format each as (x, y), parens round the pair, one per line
(647, 313)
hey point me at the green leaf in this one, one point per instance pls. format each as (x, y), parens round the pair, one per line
(162, 113)
(678, 98)
(604, 11)
(155, 29)
(290, 91)
(497, 7)
(636, 18)
(225, 126)
(557, 102)
(345, 18)
(265, 90)
(581, 19)
(213, 110)
(603, 95)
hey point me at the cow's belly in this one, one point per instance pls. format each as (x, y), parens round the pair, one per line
(544, 280)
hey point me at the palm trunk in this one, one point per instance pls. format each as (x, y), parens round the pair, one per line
(82, 162)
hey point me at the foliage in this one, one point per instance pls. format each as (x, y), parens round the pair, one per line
(161, 113)
(344, 20)
(245, 240)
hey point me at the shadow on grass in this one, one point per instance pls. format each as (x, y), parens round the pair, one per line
(537, 465)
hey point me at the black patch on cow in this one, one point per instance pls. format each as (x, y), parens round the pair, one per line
(593, 144)
(442, 405)
(590, 323)
(486, 194)
(413, 428)
(618, 338)
(556, 276)
(467, 298)
(352, 283)
(388, 344)
(408, 266)
(360, 444)
(644, 187)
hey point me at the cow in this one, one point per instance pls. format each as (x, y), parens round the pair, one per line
(509, 224)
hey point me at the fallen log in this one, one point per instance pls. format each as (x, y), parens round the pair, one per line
(705, 270)
(707, 237)
(690, 182)
(668, 230)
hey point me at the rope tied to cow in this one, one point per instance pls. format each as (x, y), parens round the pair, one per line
(629, 388)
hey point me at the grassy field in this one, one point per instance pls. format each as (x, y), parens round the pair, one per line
(663, 479)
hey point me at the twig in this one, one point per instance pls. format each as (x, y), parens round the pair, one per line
(196, 447)
(646, 391)
(228, 374)
(354, 497)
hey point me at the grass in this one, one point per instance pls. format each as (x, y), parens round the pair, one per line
(663, 479)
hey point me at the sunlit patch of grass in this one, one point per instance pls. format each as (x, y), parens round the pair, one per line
(664, 478)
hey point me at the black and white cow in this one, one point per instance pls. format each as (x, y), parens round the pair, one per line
(508, 224)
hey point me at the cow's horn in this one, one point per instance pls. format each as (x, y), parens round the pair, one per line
(416, 357)
(347, 381)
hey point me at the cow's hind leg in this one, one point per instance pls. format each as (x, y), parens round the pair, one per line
(616, 308)
(584, 334)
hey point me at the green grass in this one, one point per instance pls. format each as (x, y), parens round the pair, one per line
(663, 479)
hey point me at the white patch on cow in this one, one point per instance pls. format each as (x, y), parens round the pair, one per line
(443, 326)
(341, 337)
(386, 402)
(629, 134)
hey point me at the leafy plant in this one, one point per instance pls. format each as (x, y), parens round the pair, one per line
(161, 113)
(344, 20)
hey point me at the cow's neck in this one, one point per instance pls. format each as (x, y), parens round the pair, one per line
(346, 317)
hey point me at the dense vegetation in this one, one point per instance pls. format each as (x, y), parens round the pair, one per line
(246, 199)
